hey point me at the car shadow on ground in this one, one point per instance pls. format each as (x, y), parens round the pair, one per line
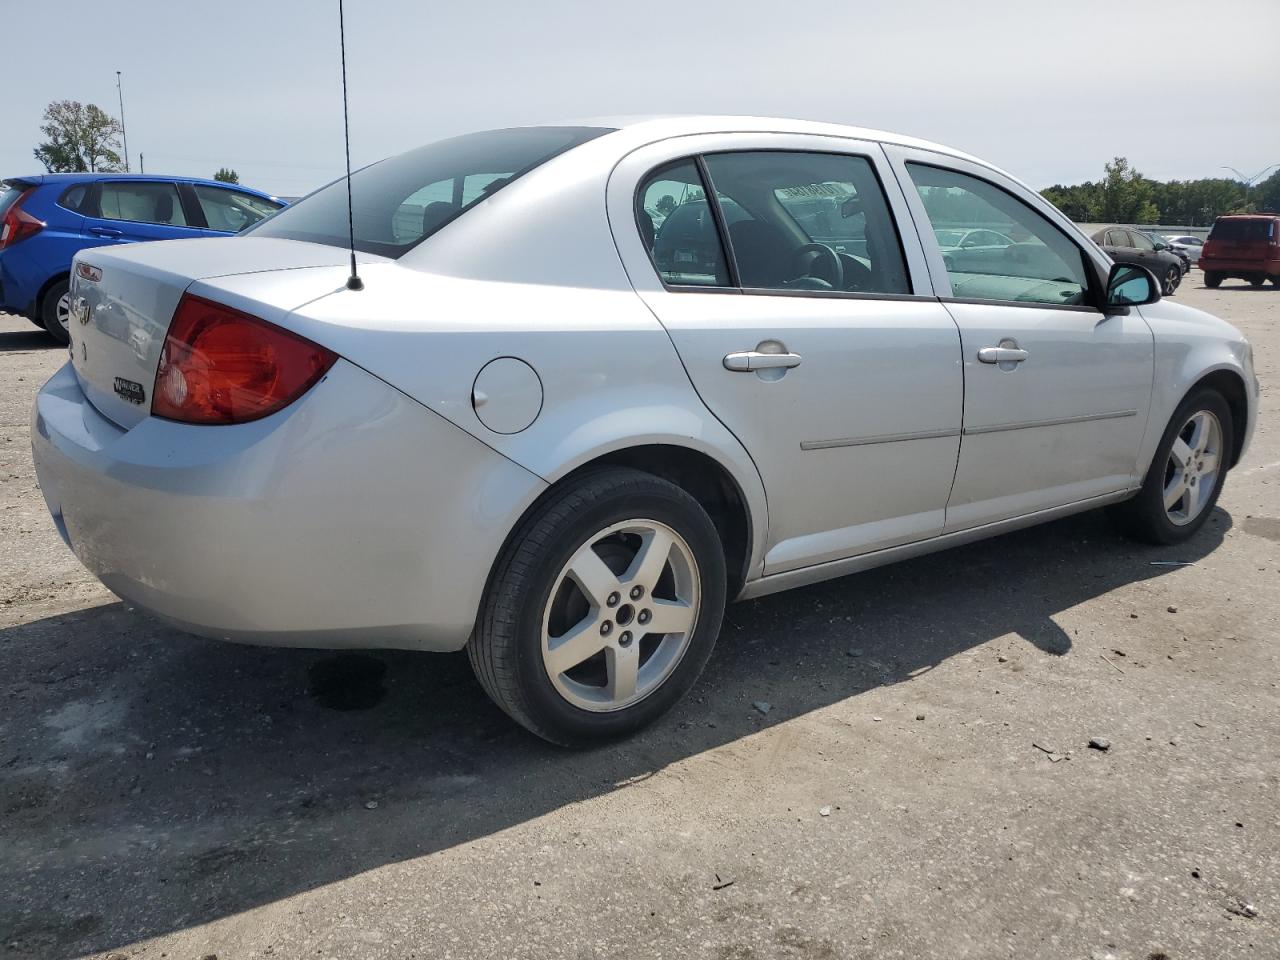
(151, 781)
(34, 338)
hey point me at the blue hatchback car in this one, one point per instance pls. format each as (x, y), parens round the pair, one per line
(46, 219)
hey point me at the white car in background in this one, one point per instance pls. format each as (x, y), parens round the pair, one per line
(1191, 246)
(560, 434)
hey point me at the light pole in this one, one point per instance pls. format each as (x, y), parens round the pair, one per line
(1249, 181)
(123, 133)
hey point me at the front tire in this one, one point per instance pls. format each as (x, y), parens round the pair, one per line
(1172, 277)
(1256, 282)
(55, 311)
(1212, 279)
(1186, 474)
(568, 643)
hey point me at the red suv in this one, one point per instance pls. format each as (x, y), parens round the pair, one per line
(1247, 247)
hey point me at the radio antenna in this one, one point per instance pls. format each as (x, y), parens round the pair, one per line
(353, 282)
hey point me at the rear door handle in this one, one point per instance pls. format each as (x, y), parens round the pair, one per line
(1002, 355)
(106, 232)
(754, 360)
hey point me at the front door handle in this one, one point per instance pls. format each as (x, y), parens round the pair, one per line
(105, 232)
(755, 360)
(1002, 355)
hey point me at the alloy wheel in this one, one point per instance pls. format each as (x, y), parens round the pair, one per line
(1191, 474)
(620, 615)
(62, 310)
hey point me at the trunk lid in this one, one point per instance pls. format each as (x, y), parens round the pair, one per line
(123, 299)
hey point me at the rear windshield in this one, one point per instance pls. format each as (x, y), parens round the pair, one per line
(8, 194)
(398, 203)
(1242, 231)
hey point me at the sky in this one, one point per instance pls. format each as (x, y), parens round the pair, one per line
(1048, 89)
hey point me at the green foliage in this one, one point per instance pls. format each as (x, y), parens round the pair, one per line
(226, 175)
(81, 138)
(1125, 196)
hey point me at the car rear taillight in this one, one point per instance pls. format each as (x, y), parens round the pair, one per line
(17, 224)
(223, 366)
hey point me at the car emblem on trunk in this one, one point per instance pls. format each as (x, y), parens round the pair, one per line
(80, 309)
(130, 390)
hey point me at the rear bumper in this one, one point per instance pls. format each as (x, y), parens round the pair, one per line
(353, 518)
(1269, 267)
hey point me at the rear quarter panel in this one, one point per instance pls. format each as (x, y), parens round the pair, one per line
(610, 377)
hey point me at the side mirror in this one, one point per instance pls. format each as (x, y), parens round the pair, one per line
(1131, 286)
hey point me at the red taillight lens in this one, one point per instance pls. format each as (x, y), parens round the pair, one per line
(17, 224)
(223, 366)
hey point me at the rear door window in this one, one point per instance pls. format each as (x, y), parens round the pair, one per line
(231, 211)
(141, 202)
(678, 227)
(815, 222)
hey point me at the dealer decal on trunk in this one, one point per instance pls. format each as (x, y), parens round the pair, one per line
(130, 390)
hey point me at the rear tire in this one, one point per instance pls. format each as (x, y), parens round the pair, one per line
(582, 568)
(55, 311)
(1212, 279)
(1171, 507)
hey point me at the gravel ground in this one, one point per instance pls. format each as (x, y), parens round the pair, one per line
(920, 785)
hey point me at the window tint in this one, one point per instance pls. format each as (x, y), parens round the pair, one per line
(678, 227)
(8, 195)
(230, 210)
(1038, 265)
(1141, 240)
(808, 221)
(141, 202)
(73, 197)
(400, 202)
(1242, 231)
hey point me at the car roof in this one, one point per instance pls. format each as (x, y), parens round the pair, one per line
(658, 127)
(1250, 216)
(85, 177)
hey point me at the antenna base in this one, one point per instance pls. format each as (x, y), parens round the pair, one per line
(354, 283)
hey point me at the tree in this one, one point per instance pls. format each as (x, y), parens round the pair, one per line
(1126, 196)
(1267, 194)
(226, 175)
(81, 138)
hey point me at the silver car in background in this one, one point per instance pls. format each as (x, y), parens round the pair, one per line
(1188, 245)
(600, 380)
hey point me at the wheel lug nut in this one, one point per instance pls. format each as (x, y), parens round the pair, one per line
(644, 617)
(614, 599)
(637, 592)
(624, 639)
(606, 628)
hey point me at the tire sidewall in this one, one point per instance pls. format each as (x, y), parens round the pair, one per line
(546, 706)
(1152, 494)
(49, 311)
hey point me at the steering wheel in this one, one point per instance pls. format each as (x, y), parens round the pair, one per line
(832, 259)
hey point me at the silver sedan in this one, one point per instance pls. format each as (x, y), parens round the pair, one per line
(591, 383)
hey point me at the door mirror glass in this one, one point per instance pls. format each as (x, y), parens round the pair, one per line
(1131, 286)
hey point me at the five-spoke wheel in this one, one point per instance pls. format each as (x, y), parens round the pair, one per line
(1191, 473)
(620, 615)
(1186, 474)
(603, 608)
